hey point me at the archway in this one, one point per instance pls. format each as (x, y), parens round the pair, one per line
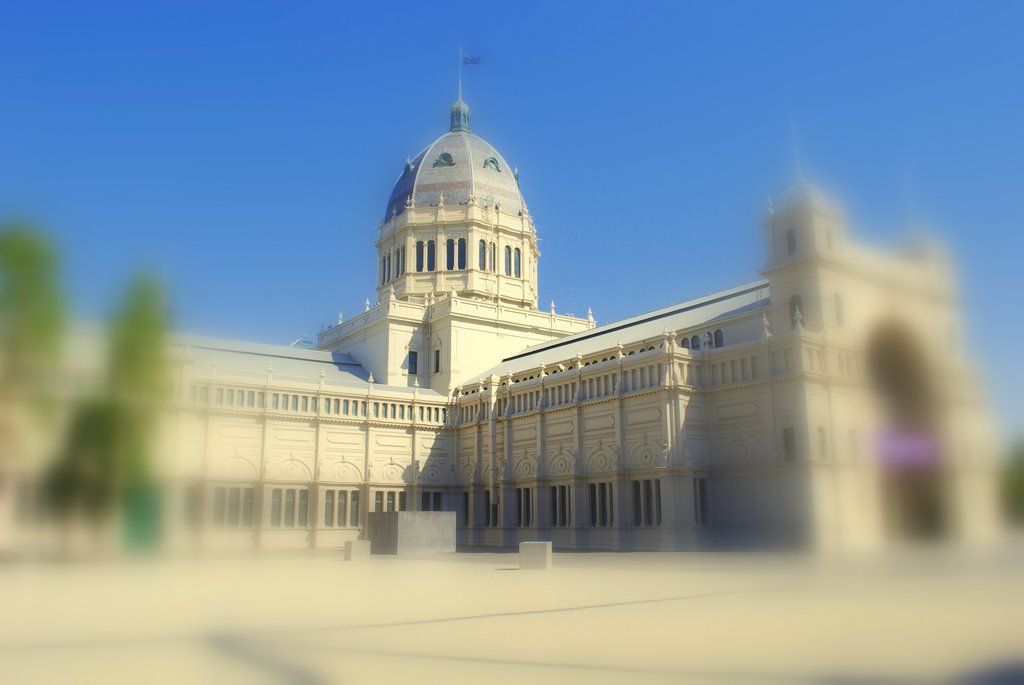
(907, 447)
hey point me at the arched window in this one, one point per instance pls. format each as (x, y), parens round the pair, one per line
(796, 310)
(462, 253)
(483, 255)
(450, 254)
(444, 159)
(837, 304)
(686, 343)
(508, 260)
(419, 255)
(431, 256)
(383, 273)
(791, 241)
(518, 263)
(695, 342)
(492, 257)
(492, 163)
(403, 259)
(719, 338)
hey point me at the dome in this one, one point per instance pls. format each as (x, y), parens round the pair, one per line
(460, 165)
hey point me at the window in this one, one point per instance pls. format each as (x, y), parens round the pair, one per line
(437, 361)
(431, 256)
(686, 343)
(354, 510)
(289, 508)
(560, 506)
(837, 304)
(275, 507)
(492, 163)
(482, 263)
(719, 338)
(700, 501)
(329, 508)
(647, 503)
(378, 501)
(524, 507)
(419, 256)
(413, 363)
(796, 310)
(695, 342)
(342, 508)
(601, 514)
(791, 241)
(462, 253)
(450, 255)
(508, 260)
(517, 263)
(491, 257)
(789, 444)
(444, 159)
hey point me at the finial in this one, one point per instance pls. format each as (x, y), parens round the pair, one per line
(552, 306)
(409, 202)
(367, 305)
(440, 199)
(369, 379)
(769, 208)
(341, 318)
(766, 328)
(798, 318)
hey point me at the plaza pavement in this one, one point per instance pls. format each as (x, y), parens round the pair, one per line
(929, 616)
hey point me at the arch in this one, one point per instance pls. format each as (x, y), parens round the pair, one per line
(600, 460)
(461, 253)
(695, 342)
(791, 241)
(419, 255)
(508, 260)
(431, 256)
(719, 338)
(517, 263)
(482, 261)
(686, 343)
(796, 310)
(907, 449)
(450, 254)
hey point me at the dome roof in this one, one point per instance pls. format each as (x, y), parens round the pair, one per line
(460, 165)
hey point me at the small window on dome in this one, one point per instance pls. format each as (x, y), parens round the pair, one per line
(444, 159)
(492, 163)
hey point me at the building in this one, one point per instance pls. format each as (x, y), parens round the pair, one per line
(830, 403)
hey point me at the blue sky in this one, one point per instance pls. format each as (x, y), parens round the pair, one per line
(246, 150)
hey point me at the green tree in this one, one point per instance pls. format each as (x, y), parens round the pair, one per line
(1013, 484)
(105, 465)
(31, 323)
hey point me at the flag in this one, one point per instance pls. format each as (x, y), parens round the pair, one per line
(470, 59)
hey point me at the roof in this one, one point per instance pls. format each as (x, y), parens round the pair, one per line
(679, 317)
(286, 363)
(459, 164)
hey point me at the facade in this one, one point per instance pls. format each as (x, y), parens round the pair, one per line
(830, 403)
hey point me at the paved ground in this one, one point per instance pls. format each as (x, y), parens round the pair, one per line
(474, 618)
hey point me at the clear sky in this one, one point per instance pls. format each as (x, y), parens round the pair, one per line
(247, 150)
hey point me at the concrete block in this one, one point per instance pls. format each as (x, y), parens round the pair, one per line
(411, 532)
(357, 549)
(535, 555)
